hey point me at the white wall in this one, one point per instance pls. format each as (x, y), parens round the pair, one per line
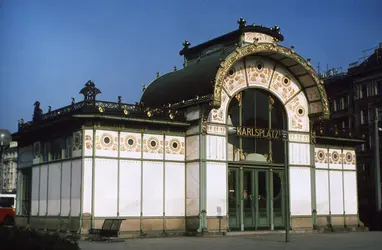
(300, 191)
(87, 185)
(336, 181)
(76, 188)
(152, 188)
(35, 190)
(130, 188)
(54, 189)
(65, 188)
(175, 189)
(106, 186)
(216, 189)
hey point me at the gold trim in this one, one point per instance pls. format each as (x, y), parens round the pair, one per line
(241, 52)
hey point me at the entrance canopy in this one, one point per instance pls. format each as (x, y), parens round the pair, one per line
(207, 65)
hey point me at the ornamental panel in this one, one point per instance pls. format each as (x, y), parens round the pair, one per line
(335, 158)
(349, 159)
(175, 148)
(321, 156)
(235, 78)
(259, 71)
(88, 147)
(106, 143)
(297, 110)
(130, 145)
(313, 94)
(77, 143)
(153, 146)
(283, 85)
(219, 115)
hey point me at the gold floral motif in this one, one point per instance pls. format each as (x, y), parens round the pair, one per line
(320, 156)
(239, 53)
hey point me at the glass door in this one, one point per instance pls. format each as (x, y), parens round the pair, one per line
(262, 208)
(278, 199)
(234, 198)
(249, 200)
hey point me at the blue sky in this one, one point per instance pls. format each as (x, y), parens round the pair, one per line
(49, 49)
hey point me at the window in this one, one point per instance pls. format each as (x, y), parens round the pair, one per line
(342, 103)
(379, 114)
(334, 105)
(256, 108)
(378, 87)
(363, 91)
(364, 116)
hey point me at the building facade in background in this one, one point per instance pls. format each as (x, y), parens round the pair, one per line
(355, 101)
(9, 169)
(228, 143)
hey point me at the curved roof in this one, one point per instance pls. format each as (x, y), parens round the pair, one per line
(197, 79)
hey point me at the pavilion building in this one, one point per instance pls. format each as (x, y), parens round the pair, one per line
(226, 143)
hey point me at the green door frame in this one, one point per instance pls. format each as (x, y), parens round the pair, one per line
(238, 221)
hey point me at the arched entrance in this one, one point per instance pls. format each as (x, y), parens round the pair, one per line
(257, 122)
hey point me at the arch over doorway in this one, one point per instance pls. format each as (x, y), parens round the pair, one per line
(306, 79)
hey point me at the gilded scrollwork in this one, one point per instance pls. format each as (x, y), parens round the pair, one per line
(239, 53)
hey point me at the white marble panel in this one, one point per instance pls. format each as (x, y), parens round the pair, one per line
(216, 148)
(88, 186)
(152, 188)
(300, 195)
(299, 153)
(299, 137)
(335, 159)
(216, 189)
(106, 143)
(77, 144)
(297, 109)
(130, 145)
(250, 37)
(88, 145)
(349, 159)
(322, 192)
(193, 113)
(35, 190)
(193, 130)
(175, 189)
(76, 188)
(65, 188)
(25, 156)
(106, 186)
(175, 148)
(153, 146)
(54, 189)
(130, 188)
(321, 157)
(43, 189)
(216, 129)
(192, 189)
(350, 192)
(230, 153)
(336, 193)
(192, 147)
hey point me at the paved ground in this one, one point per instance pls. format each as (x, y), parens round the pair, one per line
(338, 241)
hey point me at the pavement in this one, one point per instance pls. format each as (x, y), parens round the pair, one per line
(337, 240)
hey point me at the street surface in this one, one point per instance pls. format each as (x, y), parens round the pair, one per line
(338, 241)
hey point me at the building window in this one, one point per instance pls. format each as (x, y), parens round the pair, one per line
(379, 114)
(334, 105)
(342, 103)
(364, 116)
(363, 91)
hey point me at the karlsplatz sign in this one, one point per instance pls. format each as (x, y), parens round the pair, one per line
(262, 133)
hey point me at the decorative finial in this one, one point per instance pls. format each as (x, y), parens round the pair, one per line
(49, 109)
(309, 60)
(175, 68)
(119, 99)
(276, 28)
(186, 44)
(143, 88)
(242, 23)
(90, 91)
(73, 100)
(292, 48)
(158, 74)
